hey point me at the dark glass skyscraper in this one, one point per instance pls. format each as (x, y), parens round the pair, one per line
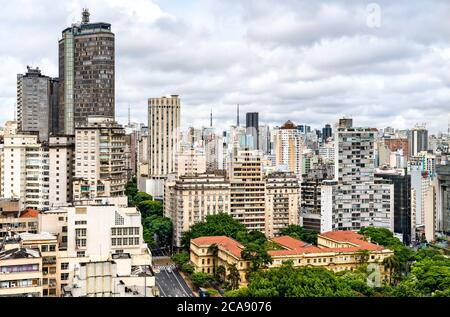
(86, 73)
(402, 205)
(326, 132)
(252, 125)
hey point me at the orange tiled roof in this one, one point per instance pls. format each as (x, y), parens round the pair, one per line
(352, 237)
(29, 213)
(227, 243)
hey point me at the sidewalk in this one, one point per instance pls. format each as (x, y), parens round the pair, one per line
(189, 283)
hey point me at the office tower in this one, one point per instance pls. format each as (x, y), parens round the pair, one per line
(163, 130)
(252, 125)
(25, 170)
(37, 107)
(429, 197)
(61, 168)
(358, 199)
(418, 140)
(403, 222)
(289, 147)
(189, 199)
(247, 189)
(443, 198)
(99, 159)
(326, 132)
(419, 182)
(264, 139)
(282, 202)
(86, 73)
(215, 149)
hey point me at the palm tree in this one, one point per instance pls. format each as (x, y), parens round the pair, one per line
(391, 263)
(362, 256)
(220, 273)
(234, 277)
(214, 249)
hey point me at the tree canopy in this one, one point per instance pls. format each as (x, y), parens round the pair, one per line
(300, 233)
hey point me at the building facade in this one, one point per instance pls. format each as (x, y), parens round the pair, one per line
(86, 73)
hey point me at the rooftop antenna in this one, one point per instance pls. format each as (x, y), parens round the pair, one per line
(210, 119)
(85, 16)
(237, 115)
(129, 115)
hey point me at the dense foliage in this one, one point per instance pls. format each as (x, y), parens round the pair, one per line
(300, 233)
(157, 229)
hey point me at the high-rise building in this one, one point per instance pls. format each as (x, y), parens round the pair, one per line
(282, 202)
(25, 170)
(418, 140)
(326, 132)
(289, 148)
(403, 222)
(61, 169)
(190, 199)
(191, 162)
(86, 73)
(99, 159)
(163, 131)
(252, 125)
(358, 199)
(264, 139)
(443, 198)
(248, 190)
(37, 107)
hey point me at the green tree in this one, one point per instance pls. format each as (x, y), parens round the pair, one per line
(214, 225)
(181, 258)
(234, 278)
(150, 208)
(220, 274)
(140, 197)
(363, 256)
(160, 226)
(253, 236)
(201, 279)
(391, 264)
(257, 255)
(131, 190)
(300, 233)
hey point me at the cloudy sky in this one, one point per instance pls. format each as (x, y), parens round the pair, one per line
(307, 61)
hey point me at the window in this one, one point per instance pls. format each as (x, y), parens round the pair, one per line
(64, 266)
(52, 248)
(44, 248)
(80, 254)
(64, 276)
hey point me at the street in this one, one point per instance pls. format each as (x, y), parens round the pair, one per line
(170, 282)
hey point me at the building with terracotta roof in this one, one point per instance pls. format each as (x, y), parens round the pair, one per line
(336, 251)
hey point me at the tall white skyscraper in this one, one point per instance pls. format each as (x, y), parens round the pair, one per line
(163, 131)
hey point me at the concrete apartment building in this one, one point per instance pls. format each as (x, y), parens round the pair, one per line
(282, 196)
(289, 148)
(47, 244)
(247, 196)
(86, 73)
(336, 251)
(99, 159)
(190, 162)
(16, 221)
(163, 134)
(37, 97)
(357, 199)
(418, 140)
(98, 233)
(25, 170)
(61, 169)
(20, 270)
(191, 198)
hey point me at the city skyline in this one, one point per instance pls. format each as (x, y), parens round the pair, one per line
(216, 55)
